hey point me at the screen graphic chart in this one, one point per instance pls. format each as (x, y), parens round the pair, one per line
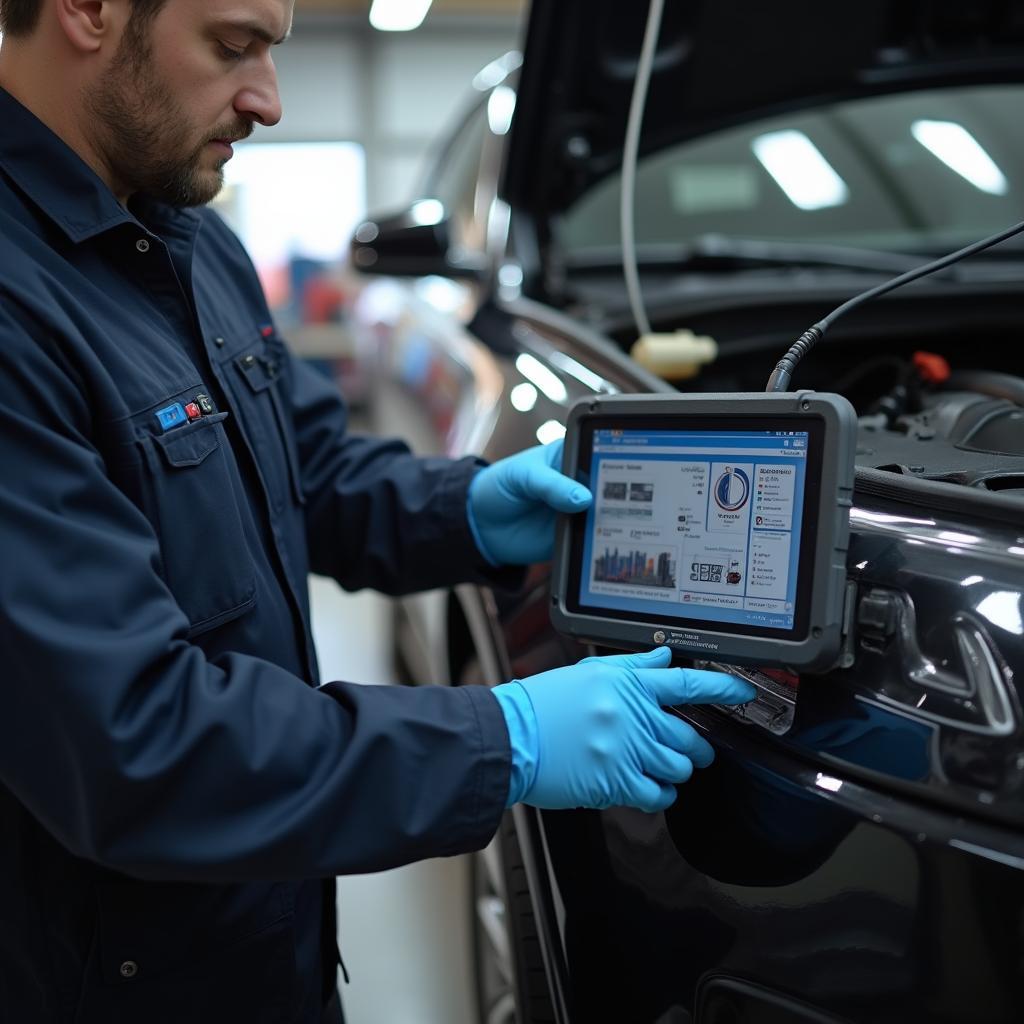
(708, 522)
(636, 568)
(732, 489)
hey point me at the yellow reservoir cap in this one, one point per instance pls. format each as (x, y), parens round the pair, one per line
(676, 356)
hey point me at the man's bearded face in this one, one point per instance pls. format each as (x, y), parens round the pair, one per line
(146, 136)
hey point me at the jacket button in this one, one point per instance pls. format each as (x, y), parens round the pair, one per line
(129, 969)
(142, 245)
(219, 342)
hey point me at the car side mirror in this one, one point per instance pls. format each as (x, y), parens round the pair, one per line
(416, 242)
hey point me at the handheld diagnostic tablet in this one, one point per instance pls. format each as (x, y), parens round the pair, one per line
(719, 525)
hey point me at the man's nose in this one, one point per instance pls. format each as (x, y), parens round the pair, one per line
(259, 100)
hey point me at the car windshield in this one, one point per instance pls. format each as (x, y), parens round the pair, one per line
(916, 172)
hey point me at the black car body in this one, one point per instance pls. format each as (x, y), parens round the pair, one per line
(866, 863)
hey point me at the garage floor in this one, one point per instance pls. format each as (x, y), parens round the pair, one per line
(403, 934)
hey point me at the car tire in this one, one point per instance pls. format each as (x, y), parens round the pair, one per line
(511, 982)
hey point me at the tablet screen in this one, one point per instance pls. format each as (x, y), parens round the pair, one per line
(701, 527)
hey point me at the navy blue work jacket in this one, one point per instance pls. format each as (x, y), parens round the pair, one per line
(174, 786)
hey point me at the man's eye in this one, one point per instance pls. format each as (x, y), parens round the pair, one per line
(228, 53)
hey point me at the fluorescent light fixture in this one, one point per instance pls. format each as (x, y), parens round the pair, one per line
(538, 374)
(550, 431)
(961, 152)
(398, 15)
(426, 212)
(800, 170)
(500, 107)
(488, 77)
(523, 397)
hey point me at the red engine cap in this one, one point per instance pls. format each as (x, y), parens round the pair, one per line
(933, 368)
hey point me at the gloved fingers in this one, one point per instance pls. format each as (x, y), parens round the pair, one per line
(552, 453)
(665, 764)
(660, 657)
(695, 686)
(681, 736)
(650, 795)
(549, 486)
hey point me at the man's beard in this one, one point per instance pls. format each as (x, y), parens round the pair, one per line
(146, 134)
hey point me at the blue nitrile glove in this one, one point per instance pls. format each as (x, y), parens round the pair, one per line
(512, 505)
(594, 734)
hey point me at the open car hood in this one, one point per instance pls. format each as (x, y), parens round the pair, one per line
(724, 62)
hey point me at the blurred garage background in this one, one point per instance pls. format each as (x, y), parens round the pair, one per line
(363, 108)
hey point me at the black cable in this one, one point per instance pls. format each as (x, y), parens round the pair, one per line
(780, 378)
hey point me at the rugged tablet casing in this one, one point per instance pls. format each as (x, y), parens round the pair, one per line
(819, 649)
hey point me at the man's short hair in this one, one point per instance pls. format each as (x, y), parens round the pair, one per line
(20, 17)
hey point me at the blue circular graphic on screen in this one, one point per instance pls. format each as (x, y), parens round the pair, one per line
(732, 489)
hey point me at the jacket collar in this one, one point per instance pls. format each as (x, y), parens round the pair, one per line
(59, 182)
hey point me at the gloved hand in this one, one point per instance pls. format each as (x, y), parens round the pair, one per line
(512, 505)
(594, 734)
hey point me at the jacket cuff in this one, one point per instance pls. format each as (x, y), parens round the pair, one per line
(494, 778)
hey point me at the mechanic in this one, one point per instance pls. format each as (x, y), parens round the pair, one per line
(177, 791)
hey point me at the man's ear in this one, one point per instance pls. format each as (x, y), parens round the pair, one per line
(88, 25)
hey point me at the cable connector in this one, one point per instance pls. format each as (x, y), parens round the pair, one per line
(779, 380)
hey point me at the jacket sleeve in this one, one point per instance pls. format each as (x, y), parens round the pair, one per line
(136, 751)
(377, 515)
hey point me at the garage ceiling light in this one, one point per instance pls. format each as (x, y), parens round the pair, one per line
(961, 152)
(800, 170)
(398, 15)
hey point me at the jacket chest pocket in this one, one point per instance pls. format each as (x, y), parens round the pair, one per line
(258, 380)
(191, 495)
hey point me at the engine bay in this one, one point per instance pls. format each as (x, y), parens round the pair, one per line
(964, 427)
(937, 380)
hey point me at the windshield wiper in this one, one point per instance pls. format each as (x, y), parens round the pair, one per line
(722, 252)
